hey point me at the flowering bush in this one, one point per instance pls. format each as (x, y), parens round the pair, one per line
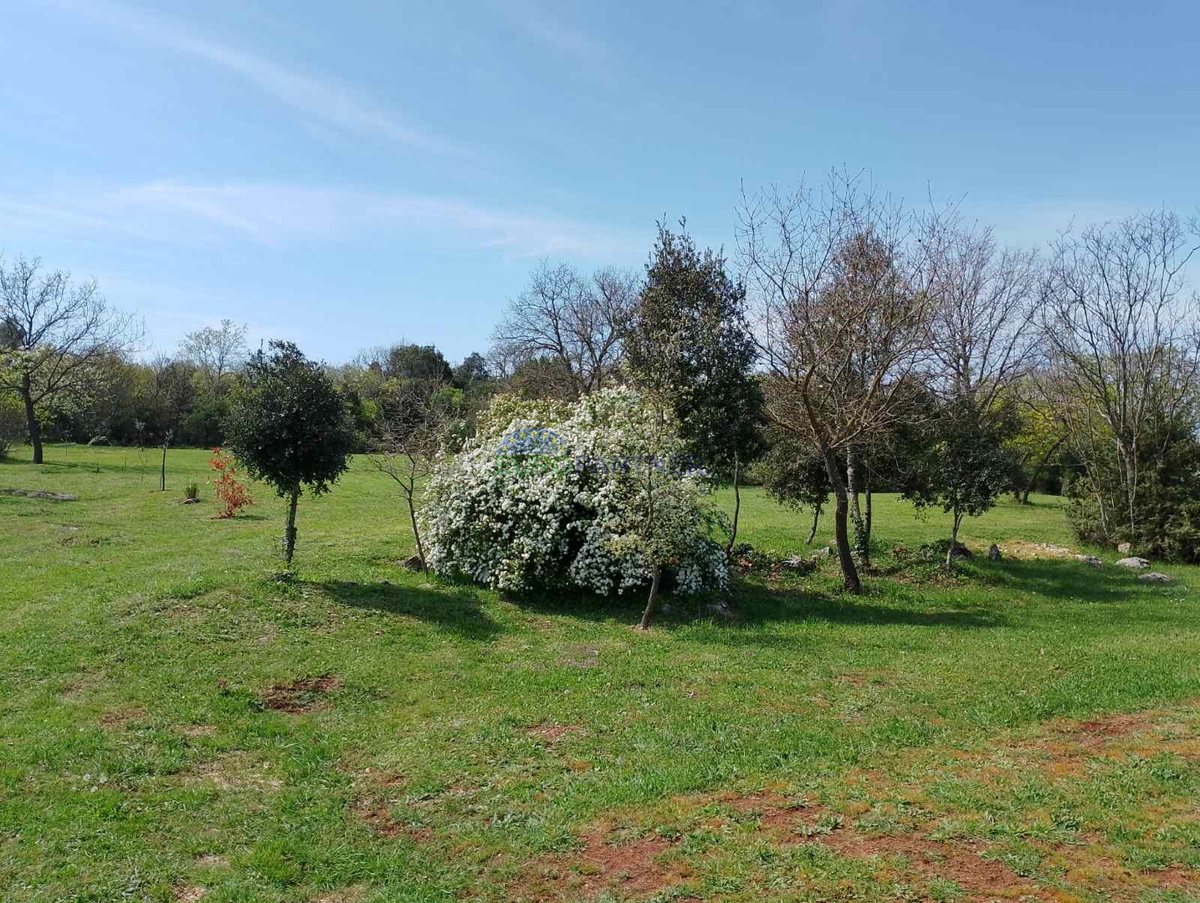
(230, 491)
(556, 498)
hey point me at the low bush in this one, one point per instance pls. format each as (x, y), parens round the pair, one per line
(548, 500)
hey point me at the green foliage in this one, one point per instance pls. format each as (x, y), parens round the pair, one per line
(191, 491)
(690, 339)
(792, 472)
(287, 423)
(12, 421)
(1166, 508)
(965, 465)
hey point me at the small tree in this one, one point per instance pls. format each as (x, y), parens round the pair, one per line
(966, 465)
(289, 426)
(689, 329)
(416, 424)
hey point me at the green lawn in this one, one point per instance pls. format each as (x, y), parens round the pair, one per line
(179, 724)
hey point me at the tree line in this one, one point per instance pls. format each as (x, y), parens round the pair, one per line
(851, 345)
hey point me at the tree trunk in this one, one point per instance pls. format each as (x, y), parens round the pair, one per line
(1037, 471)
(289, 536)
(953, 538)
(816, 520)
(162, 478)
(31, 421)
(840, 523)
(868, 518)
(737, 502)
(862, 537)
(644, 624)
(412, 515)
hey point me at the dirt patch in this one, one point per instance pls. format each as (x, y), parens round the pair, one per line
(377, 814)
(119, 718)
(552, 733)
(189, 892)
(580, 656)
(40, 494)
(1035, 550)
(346, 895)
(304, 695)
(633, 870)
(236, 771)
(212, 861)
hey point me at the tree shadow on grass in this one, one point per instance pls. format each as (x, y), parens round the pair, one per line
(455, 610)
(1064, 580)
(761, 605)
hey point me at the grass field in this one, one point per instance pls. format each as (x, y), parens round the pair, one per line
(179, 724)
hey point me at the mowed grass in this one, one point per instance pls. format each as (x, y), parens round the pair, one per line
(179, 724)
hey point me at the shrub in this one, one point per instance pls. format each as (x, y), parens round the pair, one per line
(191, 492)
(1166, 509)
(230, 491)
(549, 500)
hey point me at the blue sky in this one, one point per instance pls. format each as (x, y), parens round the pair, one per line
(356, 173)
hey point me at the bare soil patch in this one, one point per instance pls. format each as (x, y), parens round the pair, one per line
(552, 733)
(304, 695)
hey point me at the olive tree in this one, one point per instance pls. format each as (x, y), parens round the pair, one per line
(289, 426)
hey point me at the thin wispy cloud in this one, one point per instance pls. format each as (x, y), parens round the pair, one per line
(322, 100)
(280, 215)
(542, 23)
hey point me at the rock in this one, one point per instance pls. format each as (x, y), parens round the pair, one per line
(1090, 560)
(1125, 548)
(720, 608)
(1154, 577)
(994, 552)
(190, 502)
(413, 563)
(823, 553)
(1136, 564)
(797, 563)
(41, 494)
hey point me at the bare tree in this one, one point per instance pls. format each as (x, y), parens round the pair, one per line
(416, 425)
(57, 335)
(843, 311)
(1124, 333)
(984, 334)
(216, 350)
(570, 319)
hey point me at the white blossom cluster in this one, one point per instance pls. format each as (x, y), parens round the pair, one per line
(564, 503)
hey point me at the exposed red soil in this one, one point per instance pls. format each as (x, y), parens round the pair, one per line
(632, 869)
(552, 733)
(299, 696)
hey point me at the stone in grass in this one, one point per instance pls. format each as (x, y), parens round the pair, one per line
(994, 552)
(1134, 563)
(40, 494)
(1154, 577)
(412, 563)
(1124, 548)
(1091, 561)
(823, 553)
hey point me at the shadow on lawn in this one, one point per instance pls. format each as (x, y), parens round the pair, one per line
(1061, 580)
(452, 609)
